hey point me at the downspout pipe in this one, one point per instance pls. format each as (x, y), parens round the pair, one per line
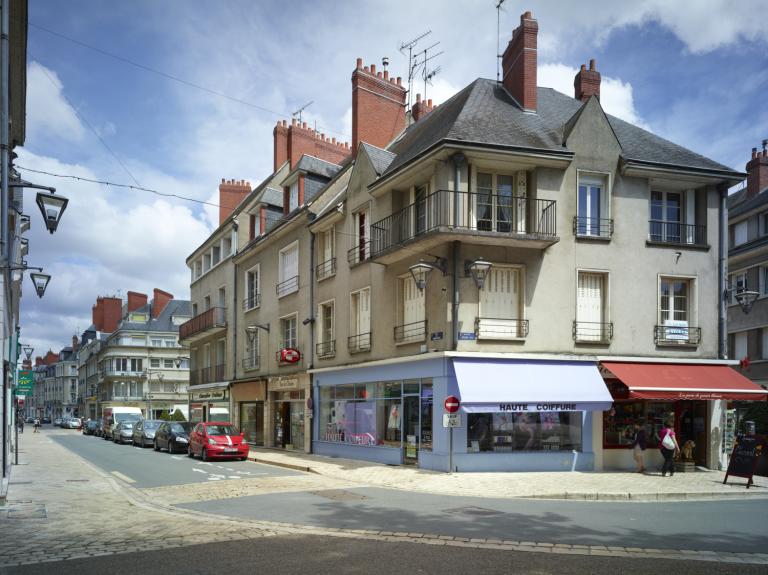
(235, 308)
(311, 298)
(722, 253)
(4, 165)
(458, 161)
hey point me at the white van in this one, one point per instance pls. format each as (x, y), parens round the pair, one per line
(114, 415)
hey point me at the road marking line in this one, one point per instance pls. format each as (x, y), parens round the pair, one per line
(123, 477)
(235, 477)
(176, 457)
(199, 470)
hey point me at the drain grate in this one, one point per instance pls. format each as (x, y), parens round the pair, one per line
(78, 480)
(339, 495)
(27, 511)
(474, 511)
(20, 483)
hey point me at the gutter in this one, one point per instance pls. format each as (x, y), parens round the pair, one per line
(722, 254)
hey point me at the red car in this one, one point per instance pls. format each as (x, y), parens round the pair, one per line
(215, 439)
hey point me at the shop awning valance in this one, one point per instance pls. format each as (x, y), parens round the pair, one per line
(495, 385)
(684, 381)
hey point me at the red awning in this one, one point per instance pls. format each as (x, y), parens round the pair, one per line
(684, 381)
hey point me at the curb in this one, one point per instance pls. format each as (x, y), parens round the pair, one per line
(292, 466)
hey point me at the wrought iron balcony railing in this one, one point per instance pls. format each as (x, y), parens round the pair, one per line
(326, 349)
(671, 335)
(251, 301)
(500, 214)
(411, 332)
(251, 363)
(586, 227)
(214, 317)
(359, 253)
(675, 233)
(207, 375)
(501, 328)
(359, 343)
(325, 269)
(592, 332)
(287, 286)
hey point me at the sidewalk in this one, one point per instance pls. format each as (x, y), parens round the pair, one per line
(603, 486)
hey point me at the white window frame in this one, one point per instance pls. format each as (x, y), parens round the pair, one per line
(355, 316)
(252, 302)
(605, 295)
(324, 255)
(763, 280)
(166, 365)
(740, 233)
(295, 317)
(154, 363)
(603, 181)
(401, 312)
(741, 345)
(281, 272)
(252, 350)
(293, 195)
(692, 304)
(494, 328)
(322, 317)
(738, 282)
(366, 238)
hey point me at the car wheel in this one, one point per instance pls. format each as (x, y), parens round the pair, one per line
(155, 446)
(189, 452)
(204, 454)
(170, 446)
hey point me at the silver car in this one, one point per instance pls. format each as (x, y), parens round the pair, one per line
(123, 432)
(144, 432)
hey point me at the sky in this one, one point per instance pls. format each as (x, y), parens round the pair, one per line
(176, 95)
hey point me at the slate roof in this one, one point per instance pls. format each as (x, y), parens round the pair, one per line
(273, 197)
(175, 307)
(484, 113)
(739, 204)
(381, 159)
(315, 166)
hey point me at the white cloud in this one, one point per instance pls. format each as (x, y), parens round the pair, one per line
(48, 112)
(615, 94)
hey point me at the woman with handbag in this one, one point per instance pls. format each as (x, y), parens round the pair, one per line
(669, 448)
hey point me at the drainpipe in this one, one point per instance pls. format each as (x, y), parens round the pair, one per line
(312, 299)
(722, 351)
(458, 161)
(4, 164)
(235, 308)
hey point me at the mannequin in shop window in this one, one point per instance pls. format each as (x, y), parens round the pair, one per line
(393, 422)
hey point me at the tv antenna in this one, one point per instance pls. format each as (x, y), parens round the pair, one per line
(297, 114)
(499, 55)
(410, 45)
(428, 75)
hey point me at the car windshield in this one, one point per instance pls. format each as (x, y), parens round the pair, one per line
(152, 424)
(222, 430)
(126, 425)
(132, 417)
(180, 427)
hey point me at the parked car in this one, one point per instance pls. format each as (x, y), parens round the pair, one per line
(144, 432)
(46, 419)
(74, 423)
(90, 427)
(57, 422)
(217, 439)
(29, 420)
(123, 432)
(173, 436)
(99, 429)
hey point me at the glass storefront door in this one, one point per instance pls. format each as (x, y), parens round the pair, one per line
(289, 425)
(252, 422)
(411, 429)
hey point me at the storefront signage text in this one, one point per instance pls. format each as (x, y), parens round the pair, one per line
(209, 395)
(284, 383)
(537, 407)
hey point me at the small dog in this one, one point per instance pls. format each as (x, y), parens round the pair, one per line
(687, 450)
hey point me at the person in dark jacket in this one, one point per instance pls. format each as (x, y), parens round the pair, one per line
(638, 446)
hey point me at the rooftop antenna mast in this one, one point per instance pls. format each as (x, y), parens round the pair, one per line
(499, 55)
(410, 45)
(426, 73)
(297, 114)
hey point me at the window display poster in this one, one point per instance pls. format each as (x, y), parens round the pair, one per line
(410, 447)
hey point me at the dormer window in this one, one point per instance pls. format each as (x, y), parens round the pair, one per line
(293, 196)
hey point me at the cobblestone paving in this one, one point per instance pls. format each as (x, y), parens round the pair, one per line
(86, 513)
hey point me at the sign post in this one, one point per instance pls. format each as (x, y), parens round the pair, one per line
(451, 405)
(743, 462)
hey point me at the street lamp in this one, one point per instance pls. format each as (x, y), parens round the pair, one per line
(28, 349)
(179, 361)
(745, 298)
(478, 270)
(420, 271)
(39, 279)
(51, 206)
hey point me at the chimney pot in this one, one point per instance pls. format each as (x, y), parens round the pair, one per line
(386, 74)
(367, 69)
(333, 140)
(379, 75)
(418, 98)
(429, 103)
(592, 64)
(754, 153)
(519, 63)
(304, 125)
(527, 15)
(373, 69)
(399, 81)
(583, 67)
(359, 63)
(293, 121)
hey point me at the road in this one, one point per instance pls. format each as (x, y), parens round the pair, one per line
(722, 526)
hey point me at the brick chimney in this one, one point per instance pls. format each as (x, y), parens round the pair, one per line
(519, 63)
(97, 314)
(280, 133)
(587, 82)
(136, 300)
(421, 108)
(51, 358)
(112, 313)
(292, 142)
(378, 106)
(159, 301)
(39, 361)
(757, 171)
(231, 193)
(75, 343)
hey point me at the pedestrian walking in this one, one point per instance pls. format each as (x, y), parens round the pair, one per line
(20, 423)
(638, 446)
(669, 448)
(37, 425)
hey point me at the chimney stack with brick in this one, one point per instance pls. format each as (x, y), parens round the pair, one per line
(421, 108)
(136, 300)
(294, 140)
(39, 361)
(519, 63)
(75, 343)
(159, 301)
(231, 193)
(587, 82)
(757, 171)
(378, 106)
(107, 313)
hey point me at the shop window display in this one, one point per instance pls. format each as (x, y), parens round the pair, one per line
(531, 431)
(618, 422)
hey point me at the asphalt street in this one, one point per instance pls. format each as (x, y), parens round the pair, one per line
(299, 555)
(145, 467)
(734, 525)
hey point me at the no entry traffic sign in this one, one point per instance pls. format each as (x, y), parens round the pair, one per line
(451, 404)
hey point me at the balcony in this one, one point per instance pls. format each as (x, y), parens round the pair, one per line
(677, 234)
(288, 286)
(501, 328)
(411, 332)
(251, 363)
(251, 301)
(481, 218)
(115, 372)
(212, 374)
(359, 254)
(674, 335)
(204, 324)
(359, 343)
(592, 228)
(592, 332)
(326, 349)
(325, 269)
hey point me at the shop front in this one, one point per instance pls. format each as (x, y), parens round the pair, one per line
(248, 398)
(287, 412)
(209, 402)
(697, 398)
(515, 415)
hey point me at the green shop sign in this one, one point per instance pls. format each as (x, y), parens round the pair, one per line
(25, 382)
